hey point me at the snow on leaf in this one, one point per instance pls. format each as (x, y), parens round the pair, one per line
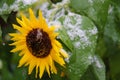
(15, 6)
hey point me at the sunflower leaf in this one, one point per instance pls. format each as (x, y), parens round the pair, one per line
(96, 10)
(83, 35)
(9, 75)
(96, 70)
(113, 52)
(7, 6)
(0, 34)
(66, 40)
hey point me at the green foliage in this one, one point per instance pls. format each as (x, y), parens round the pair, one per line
(14, 74)
(112, 39)
(96, 70)
(55, 1)
(0, 34)
(89, 32)
(96, 10)
(9, 2)
(7, 6)
(83, 46)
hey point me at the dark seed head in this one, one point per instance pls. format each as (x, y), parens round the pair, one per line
(38, 43)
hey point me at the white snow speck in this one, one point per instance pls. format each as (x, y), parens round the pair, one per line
(102, 1)
(14, 6)
(27, 2)
(110, 9)
(1, 64)
(91, 1)
(93, 31)
(90, 58)
(77, 44)
(4, 8)
(55, 23)
(97, 62)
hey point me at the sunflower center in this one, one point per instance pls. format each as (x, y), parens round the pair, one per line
(39, 43)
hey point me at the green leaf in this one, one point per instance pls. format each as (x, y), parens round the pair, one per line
(115, 65)
(0, 34)
(9, 2)
(66, 39)
(7, 6)
(112, 39)
(55, 1)
(80, 33)
(13, 73)
(96, 70)
(96, 10)
(112, 26)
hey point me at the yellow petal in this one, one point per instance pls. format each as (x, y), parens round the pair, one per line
(31, 66)
(27, 24)
(32, 16)
(23, 60)
(57, 44)
(52, 28)
(40, 15)
(23, 25)
(22, 53)
(49, 64)
(53, 35)
(18, 48)
(37, 68)
(63, 53)
(56, 57)
(16, 36)
(49, 60)
(54, 68)
(20, 42)
(47, 68)
(42, 21)
(22, 30)
(42, 68)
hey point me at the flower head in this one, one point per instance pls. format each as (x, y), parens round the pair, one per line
(37, 45)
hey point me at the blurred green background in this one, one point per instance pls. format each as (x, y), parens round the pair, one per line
(90, 34)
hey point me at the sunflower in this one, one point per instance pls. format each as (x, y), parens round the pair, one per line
(37, 45)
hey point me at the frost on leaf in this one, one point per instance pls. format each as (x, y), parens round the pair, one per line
(83, 35)
(15, 6)
(79, 31)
